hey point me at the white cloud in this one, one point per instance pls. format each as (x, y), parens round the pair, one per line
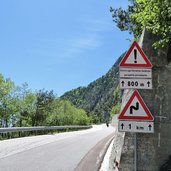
(78, 45)
(88, 38)
(96, 25)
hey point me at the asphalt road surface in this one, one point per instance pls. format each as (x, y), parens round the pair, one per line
(59, 152)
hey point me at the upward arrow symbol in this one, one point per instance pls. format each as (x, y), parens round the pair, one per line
(129, 126)
(148, 83)
(149, 127)
(122, 125)
(122, 83)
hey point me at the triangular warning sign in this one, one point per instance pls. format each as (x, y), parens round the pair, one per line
(135, 57)
(136, 109)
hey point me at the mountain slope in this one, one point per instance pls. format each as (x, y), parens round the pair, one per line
(100, 96)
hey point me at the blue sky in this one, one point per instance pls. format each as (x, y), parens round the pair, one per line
(59, 44)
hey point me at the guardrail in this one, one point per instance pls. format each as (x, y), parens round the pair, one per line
(39, 128)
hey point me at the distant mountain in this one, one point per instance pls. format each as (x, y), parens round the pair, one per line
(100, 96)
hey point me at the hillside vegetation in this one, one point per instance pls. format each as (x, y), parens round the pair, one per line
(100, 96)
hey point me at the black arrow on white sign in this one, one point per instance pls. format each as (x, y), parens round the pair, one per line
(149, 127)
(122, 83)
(129, 126)
(122, 125)
(148, 83)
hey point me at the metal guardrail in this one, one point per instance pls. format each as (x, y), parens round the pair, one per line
(39, 128)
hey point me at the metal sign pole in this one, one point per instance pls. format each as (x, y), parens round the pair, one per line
(135, 152)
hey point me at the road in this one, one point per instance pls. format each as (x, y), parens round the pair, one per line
(58, 152)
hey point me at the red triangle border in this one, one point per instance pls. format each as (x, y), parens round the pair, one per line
(135, 44)
(149, 116)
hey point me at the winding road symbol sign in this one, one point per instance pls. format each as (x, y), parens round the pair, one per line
(135, 57)
(136, 109)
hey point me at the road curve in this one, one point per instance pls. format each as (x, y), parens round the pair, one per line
(59, 152)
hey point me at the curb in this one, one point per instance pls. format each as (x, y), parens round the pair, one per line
(93, 159)
(106, 161)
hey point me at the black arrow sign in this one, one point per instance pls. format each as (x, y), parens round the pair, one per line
(148, 83)
(129, 126)
(149, 126)
(122, 83)
(122, 125)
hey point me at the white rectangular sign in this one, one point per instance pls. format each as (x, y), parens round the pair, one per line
(136, 126)
(135, 83)
(135, 72)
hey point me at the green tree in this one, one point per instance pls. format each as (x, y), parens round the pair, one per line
(6, 86)
(115, 109)
(44, 101)
(117, 102)
(24, 100)
(155, 15)
(66, 114)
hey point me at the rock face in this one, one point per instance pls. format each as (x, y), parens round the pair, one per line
(153, 150)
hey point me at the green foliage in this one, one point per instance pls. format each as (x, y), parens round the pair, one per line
(117, 103)
(155, 15)
(24, 104)
(19, 106)
(115, 109)
(6, 86)
(44, 100)
(123, 19)
(95, 118)
(66, 114)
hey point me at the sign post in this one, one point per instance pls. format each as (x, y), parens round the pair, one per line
(135, 71)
